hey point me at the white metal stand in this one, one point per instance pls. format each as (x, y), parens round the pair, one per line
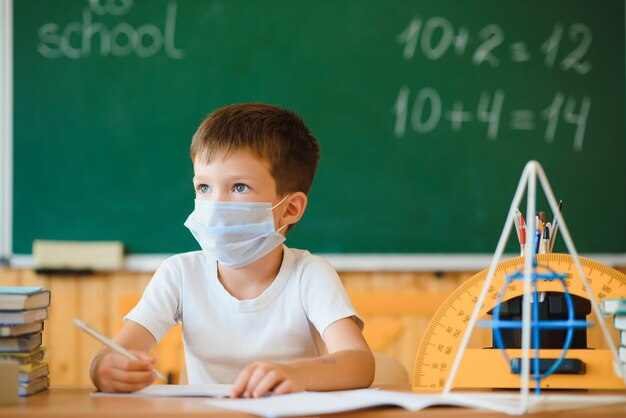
(526, 403)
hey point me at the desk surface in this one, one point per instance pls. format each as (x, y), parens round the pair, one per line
(77, 402)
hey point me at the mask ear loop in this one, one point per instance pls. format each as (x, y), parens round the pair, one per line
(278, 204)
(282, 200)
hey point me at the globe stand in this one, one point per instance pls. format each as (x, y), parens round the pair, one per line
(531, 323)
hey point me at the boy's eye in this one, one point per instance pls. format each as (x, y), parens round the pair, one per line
(204, 188)
(241, 188)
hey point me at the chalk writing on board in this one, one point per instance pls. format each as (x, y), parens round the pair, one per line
(83, 38)
(436, 36)
(422, 109)
(426, 112)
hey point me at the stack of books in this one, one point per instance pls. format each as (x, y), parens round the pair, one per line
(617, 308)
(22, 314)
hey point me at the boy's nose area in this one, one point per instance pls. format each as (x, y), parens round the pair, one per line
(213, 196)
(219, 195)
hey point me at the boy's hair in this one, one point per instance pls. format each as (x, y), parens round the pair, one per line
(273, 134)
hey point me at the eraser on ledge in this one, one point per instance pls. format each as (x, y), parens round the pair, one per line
(78, 255)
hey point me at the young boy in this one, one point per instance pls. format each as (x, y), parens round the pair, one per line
(252, 310)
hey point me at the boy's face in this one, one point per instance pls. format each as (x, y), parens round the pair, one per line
(240, 177)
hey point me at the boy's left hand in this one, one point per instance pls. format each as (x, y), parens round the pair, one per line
(261, 377)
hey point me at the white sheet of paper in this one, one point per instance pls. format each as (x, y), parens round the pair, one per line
(313, 403)
(163, 391)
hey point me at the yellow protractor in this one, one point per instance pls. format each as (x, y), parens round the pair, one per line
(486, 367)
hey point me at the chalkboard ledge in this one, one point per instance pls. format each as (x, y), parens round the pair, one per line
(360, 262)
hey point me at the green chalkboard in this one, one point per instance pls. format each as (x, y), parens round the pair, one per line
(426, 112)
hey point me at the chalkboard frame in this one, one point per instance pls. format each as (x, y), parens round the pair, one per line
(6, 130)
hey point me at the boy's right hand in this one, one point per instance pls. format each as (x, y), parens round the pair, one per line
(117, 373)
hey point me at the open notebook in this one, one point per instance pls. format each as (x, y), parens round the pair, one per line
(314, 403)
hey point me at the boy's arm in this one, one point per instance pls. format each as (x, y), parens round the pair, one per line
(112, 372)
(349, 364)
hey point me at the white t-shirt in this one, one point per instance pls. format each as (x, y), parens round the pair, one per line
(222, 334)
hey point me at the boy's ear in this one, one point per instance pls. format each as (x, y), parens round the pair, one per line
(296, 204)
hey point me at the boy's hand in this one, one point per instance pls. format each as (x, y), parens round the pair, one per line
(117, 373)
(261, 377)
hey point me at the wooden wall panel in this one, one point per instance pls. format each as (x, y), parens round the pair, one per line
(10, 277)
(92, 294)
(122, 286)
(63, 337)
(396, 306)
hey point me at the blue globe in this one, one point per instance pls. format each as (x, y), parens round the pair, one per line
(540, 368)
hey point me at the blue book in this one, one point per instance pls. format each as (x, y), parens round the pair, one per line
(19, 298)
(23, 316)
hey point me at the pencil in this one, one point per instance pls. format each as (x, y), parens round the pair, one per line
(115, 346)
(555, 226)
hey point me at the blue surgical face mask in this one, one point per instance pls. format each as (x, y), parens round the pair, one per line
(235, 233)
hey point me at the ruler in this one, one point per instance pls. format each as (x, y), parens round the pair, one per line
(486, 367)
